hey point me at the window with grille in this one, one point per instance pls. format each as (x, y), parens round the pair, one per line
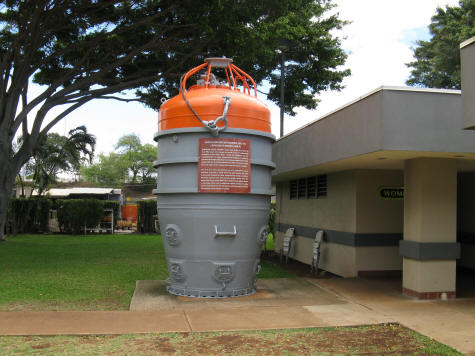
(293, 189)
(322, 186)
(302, 191)
(311, 187)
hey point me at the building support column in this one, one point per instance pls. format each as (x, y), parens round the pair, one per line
(430, 248)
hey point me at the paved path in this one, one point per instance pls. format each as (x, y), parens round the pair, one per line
(91, 322)
(219, 319)
(451, 322)
(331, 302)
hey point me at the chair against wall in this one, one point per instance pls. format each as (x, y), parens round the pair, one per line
(287, 244)
(316, 251)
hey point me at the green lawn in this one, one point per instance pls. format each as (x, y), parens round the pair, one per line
(94, 272)
(391, 339)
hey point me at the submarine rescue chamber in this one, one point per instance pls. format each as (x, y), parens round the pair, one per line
(214, 182)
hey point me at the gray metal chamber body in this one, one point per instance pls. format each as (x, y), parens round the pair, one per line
(212, 241)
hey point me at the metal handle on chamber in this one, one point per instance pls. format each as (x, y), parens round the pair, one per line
(224, 233)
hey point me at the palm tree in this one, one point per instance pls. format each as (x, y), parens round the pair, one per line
(60, 154)
(80, 147)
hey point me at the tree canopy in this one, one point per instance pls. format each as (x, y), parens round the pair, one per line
(109, 170)
(60, 154)
(251, 32)
(437, 61)
(138, 158)
(80, 50)
(132, 163)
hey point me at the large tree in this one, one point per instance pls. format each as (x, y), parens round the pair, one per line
(129, 147)
(437, 61)
(132, 162)
(110, 170)
(80, 50)
(137, 157)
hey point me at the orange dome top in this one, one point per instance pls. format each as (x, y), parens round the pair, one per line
(206, 100)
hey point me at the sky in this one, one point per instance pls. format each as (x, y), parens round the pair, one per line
(378, 42)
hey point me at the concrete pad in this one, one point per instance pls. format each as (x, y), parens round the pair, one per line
(346, 315)
(465, 306)
(152, 295)
(93, 322)
(360, 290)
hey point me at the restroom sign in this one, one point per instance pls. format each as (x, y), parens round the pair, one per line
(224, 165)
(391, 193)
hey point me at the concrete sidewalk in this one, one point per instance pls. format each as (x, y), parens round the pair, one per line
(451, 322)
(308, 303)
(219, 319)
(91, 322)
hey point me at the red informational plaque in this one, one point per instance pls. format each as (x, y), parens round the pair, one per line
(224, 165)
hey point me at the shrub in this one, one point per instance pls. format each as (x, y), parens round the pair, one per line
(28, 215)
(18, 215)
(31, 208)
(93, 212)
(147, 211)
(76, 215)
(43, 206)
(62, 211)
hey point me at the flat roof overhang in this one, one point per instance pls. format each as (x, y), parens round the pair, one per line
(388, 160)
(380, 130)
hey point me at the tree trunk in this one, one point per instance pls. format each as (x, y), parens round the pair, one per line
(22, 186)
(134, 177)
(9, 168)
(7, 182)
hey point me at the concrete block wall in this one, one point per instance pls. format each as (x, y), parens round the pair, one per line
(362, 229)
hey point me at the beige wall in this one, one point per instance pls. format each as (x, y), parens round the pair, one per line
(377, 215)
(378, 258)
(374, 214)
(335, 212)
(352, 205)
(335, 258)
(339, 259)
